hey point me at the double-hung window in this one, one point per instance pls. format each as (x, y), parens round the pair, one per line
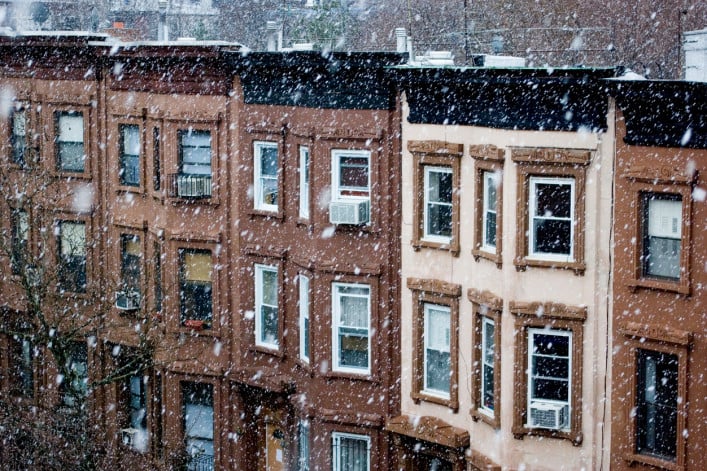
(20, 241)
(351, 328)
(437, 341)
(551, 207)
(198, 422)
(657, 404)
(438, 204)
(194, 179)
(351, 174)
(18, 123)
(129, 155)
(71, 273)
(69, 141)
(135, 391)
(304, 182)
(488, 366)
(130, 270)
(22, 365)
(350, 452)
(489, 211)
(75, 387)
(266, 170)
(266, 306)
(662, 235)
(549, 378)
(304, 318)
(303, 445)
(195, 294)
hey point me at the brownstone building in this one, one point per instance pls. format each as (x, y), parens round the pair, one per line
(240, 212)
(658, 362)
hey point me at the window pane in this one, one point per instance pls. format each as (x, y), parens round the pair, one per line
(195, 152)
(437, 342)
(269, 283)
(268, 160)
(198, 422)
(354, 311)
(130, 155)
(490, 229)
(662, 235)
(438, 370)
(350, 453)
(69, 142)
(353, 172)
(552, 236)
(548, 344)
(656, 407)
(195, 290)
(553, 200)
(72, 260)
(353, 347)
(19, 136)
(554, 390)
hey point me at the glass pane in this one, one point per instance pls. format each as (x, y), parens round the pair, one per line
(353, 348)
(439, 219)
(71, 156)
(269, 189)
(552, 236)
(490, 197)
(663, 257)
(70, 128)
(439, 186)
(353, 172)
(268, 160)
(73, 238)
(656, 405)
(438, 368)
(269, 286)
(490, 230)
(488, 387)
(553, 200)
(437, 328)
(196, 266)
(489, 342)
(268, 331)
(131, 139)
(548, 344)
(552, 367)
(353, 454)
(550, 389)
(354, 311)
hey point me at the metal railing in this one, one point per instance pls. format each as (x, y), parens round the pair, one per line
(201, 463)
(183, 185)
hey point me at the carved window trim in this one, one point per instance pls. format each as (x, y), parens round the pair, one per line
(439, 154)
(643, 181)
(558, 317)
(425, 291)
(550, 163)
(485, 305)
(661, 339)
(487, 159)
(55, 112)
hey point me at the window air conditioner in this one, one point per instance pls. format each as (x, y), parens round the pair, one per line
(548, 415)
(127, 300)
(349, 212)
(128, 436)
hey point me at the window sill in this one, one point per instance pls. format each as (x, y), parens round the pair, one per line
(183, 200)
(492, 256)
(450, 246)
(681, 287)
(305, 366)
(264, 213)
(419, 396)
(522, 263)
(273, 351)
(364, 376)
(632, 459)
(574, 436)
(72, 175)
(478, 416)
(130, 189)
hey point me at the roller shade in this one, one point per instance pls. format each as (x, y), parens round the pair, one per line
(70, 128)
(197, 266)
(73, 238)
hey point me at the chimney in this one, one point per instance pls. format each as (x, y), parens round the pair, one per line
(162, 31)
(273, 32)
(401, 40)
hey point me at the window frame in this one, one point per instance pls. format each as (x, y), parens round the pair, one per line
(123, 155)
(435, 154)
(213, 391)
(336, 188)
(84, 276)
(662, 339)
(22, 363)
(336, 325)
(556, 317)
(17, 141)
(259, 270)
(531, 332)
(59, 164)
(208, 323)
(486, 307)
(427, 236)
(304, 309)
(487, 159)
(305, 162)
(428, 308)
(336, 438)
(440, 293)
(534, 182)
(549, 163)
(19, 239)
(646, 199)
(124, 262)
(258, 188)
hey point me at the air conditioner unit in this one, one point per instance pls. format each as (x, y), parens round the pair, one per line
(190, 186)
(548, 415)
(127, 300)
(350, 212)
(129, 436)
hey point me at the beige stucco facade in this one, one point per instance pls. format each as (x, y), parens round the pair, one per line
(512, 284)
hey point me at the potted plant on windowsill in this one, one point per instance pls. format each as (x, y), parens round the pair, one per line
(194, 324)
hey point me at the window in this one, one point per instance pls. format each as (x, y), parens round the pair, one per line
(129, 155)
(135, 392)
(489, 202)
(549, 379)
(351, 324)
(20, 240)
(303, 445)
(266, 175)
(548, 396)
(304, 318)
(157, 260)
(350, 452)
(195, 288)
(551, 208)
(436, 170)
(130, 264)
(18, 138)
(69, 141)
(22, 368)
(488, 161)
(71, 273)
(551, 221)
(266, 306)
(662, 235)
(657, 404)
(351, 174)
(438, 204)
(198, 413)
(486, 357)
(304, 182)
(156, 164)
(194, 179)
(437, 361)
(434, 329)
(75, 386)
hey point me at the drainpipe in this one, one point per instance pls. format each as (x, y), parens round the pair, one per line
(162, 31)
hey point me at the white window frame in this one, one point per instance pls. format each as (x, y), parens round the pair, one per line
(337, 438)
(662, 220)
(303, 440)
(67, 135)
(259, 179)
(428, 169)
(489, 178)
(531, 371)
(448, 336)
(260, 304)
(486, 321)
(304, 175)
(304, 325)
(336, 189)
(336, 326)
(534, 180)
